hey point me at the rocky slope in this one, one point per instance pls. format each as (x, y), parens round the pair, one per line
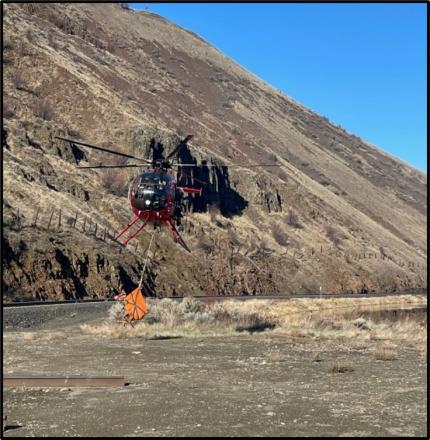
(337, 213)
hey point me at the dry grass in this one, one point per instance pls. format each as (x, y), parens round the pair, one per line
(28, 336)
(421, 346)
(317, 357)
(335, 319)
(274, 355)
(385, 353)
(44, 335)
(330, 319)
(189, 317)
(360, 345)
(52, 335)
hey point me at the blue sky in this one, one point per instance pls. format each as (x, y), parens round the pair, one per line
(364, 66)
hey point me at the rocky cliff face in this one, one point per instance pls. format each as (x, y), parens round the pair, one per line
(337, 213)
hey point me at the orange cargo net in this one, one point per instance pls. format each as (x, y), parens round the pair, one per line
(135, 305)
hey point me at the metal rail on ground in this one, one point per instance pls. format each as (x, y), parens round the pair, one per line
(227, 297)
(63, 381)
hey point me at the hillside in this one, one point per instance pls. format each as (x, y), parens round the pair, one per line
(337, 213)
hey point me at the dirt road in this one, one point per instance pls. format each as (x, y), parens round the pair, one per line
(244, 385)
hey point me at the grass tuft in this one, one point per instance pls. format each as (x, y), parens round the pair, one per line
(340, 367)
(384, 353)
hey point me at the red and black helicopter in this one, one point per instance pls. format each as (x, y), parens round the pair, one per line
(154, 195)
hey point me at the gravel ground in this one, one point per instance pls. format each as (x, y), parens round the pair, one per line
(244, 385)
(52, 316)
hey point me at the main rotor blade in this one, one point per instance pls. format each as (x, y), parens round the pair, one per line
(180, 145)
(103, 149)
(138, 165)
(228, 166)
(250, 166)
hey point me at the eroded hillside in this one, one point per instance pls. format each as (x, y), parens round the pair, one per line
(337, 213)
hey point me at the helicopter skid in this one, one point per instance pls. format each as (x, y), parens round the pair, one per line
(133, 232)
(157, 218)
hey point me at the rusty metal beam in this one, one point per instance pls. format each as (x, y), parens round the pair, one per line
(63, 381)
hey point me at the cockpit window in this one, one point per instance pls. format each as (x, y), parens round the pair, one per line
(150, 190)
(154, 179)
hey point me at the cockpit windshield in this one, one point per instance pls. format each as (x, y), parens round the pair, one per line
(157, 181)
(150, 190)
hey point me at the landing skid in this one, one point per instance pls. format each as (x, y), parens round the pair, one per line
(176, 236)
(133, 232)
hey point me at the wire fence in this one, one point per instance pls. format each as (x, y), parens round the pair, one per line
(59, 219)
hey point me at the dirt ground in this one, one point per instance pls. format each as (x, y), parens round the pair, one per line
(243, 385)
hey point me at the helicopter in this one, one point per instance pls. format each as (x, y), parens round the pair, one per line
(154, 195)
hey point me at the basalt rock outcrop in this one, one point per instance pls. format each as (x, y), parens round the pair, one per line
(337, 212)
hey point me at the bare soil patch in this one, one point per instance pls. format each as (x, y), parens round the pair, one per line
(238, 384)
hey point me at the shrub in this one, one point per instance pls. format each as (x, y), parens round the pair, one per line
(29, 35)
(293, 219)
(334, 235)
(24, 49)
(115, 182)
(8, 112)
(52, 41)
(73, 132)
(384, 354)
(190, 306)
(409, 241)
(18, 80)
(7, 43)
(29, 8)
(213, 212)
(44, 109)
(279, 235)
(205, 244)
(338, 367)
(59, 20)
(382, 251)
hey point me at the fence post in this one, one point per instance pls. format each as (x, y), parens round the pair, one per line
(35, 218)
(76, 219)
(95, 232)
(50, 218)
(59, 219)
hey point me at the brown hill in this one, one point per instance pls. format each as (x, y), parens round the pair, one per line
(338, 212)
